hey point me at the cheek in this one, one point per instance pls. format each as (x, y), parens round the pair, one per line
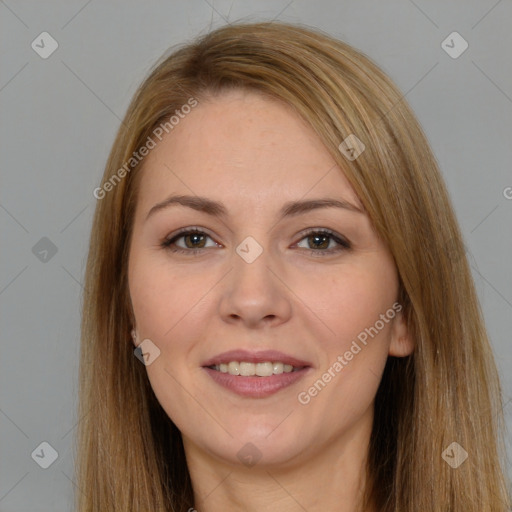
(164, 296)
(357, 308)
(352, 300)
(356, 313)
(168, 310)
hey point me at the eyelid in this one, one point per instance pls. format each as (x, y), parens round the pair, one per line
(187, 230)
(325, 231)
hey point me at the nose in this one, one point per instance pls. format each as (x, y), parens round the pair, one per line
(254, 294)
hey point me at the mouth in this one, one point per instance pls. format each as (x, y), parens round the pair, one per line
(246, 369)
(255, 374)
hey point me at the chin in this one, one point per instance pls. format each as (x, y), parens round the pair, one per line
(261, 444)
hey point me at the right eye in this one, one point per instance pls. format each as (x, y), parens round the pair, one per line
(194, 241)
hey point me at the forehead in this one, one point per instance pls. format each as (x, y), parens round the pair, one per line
(242, 146)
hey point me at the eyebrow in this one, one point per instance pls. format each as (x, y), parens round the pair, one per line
(214, 208)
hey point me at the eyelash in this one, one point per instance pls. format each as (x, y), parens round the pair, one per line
(343, 244)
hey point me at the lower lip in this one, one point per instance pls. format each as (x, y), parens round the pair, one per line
(256, 387)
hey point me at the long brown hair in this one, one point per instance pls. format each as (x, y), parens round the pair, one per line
(130, 455)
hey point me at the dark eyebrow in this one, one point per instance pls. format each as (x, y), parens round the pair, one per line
(205, 205)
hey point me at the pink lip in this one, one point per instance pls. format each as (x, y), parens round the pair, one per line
(256, 387)
(255, 357)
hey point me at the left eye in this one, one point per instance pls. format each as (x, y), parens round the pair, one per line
(324, 240)
(319, 242)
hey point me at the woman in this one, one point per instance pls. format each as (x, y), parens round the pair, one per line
(278, 310)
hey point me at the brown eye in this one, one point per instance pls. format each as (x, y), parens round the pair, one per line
(193, 241)
(324, 242)
(318, 241)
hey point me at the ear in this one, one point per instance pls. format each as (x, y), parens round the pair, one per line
(134, 337)
(402, 343)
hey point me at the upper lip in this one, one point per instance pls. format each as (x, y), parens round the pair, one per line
(260, 356)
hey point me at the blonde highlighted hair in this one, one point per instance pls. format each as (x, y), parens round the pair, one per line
(129, 453)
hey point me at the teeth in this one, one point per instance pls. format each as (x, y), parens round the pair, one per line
(245, 369)
(233, 368)
(277, 368)
(264, 369)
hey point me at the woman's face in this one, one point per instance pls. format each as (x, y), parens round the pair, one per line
(256, 283)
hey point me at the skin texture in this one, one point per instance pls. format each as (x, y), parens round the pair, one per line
(254, 154)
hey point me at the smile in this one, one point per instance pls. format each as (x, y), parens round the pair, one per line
(246, 369)
(255, 374)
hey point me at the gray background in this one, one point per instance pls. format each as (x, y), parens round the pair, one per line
(59, 116)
